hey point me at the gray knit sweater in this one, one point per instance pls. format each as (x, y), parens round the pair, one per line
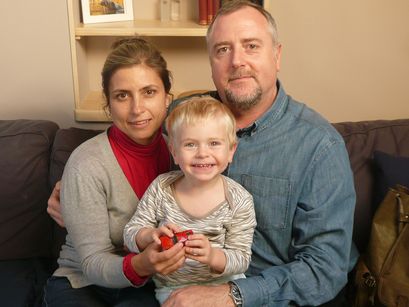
(97, 201)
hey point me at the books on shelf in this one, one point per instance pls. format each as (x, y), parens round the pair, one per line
(170, 9)
(207, 10)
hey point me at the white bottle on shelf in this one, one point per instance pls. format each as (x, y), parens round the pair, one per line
(175, 10)
(165, 10)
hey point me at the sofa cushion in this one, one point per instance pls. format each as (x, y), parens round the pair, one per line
(25, 227)
(362, 139)
(390, 170)
(22, 282)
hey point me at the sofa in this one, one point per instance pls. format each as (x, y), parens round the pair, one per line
(32, 158)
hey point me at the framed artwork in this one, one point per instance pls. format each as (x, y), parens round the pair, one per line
(94, 11)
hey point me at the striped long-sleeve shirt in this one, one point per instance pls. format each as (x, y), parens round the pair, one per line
(229, 226)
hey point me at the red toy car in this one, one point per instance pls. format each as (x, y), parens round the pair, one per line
(168, 242)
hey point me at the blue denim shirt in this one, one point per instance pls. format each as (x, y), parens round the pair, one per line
(296, 166)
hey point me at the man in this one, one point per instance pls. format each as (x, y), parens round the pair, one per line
(293, 163)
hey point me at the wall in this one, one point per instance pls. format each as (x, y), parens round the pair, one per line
(347, 59)
(35, 61)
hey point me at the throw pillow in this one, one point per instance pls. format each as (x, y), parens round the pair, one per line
(390, 170)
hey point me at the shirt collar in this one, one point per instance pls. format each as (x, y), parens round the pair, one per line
(275, 112)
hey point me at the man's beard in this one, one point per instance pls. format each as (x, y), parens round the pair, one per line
(243, 102)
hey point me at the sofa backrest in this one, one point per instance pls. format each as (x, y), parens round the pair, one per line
(25, 147)
(32, 151)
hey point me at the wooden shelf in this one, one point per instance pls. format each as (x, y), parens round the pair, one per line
(142, 27)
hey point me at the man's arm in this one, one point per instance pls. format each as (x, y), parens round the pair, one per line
(54, 206)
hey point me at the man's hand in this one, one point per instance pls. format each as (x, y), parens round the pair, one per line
(200, 296)
(54, 207)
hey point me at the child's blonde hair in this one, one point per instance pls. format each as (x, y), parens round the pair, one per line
(199, 108)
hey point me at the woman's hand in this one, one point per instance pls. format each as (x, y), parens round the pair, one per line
(54, 206)
(198, 248)
(152, 260)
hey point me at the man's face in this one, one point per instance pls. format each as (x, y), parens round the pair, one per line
(244, 59)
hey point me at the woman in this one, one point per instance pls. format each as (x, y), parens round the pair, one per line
(102, 182)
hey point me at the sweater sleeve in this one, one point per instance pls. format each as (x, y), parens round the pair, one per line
(86, 216)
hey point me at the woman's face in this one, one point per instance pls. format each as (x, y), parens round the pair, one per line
(138, 102)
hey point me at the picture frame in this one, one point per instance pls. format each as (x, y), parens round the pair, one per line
(94, 11)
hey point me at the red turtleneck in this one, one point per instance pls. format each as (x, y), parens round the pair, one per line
(141, 164)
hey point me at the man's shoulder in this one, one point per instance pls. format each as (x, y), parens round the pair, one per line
(312, 122)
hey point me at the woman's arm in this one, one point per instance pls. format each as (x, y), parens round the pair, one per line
(90, 232)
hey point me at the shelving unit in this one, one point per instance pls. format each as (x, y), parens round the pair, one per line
(90, 43)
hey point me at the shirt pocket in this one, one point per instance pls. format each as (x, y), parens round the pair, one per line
(271, 200)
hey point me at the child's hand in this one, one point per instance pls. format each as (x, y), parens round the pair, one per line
(198, 248)
(147, 235)
(167, 230)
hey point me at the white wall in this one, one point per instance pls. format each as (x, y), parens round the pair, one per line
(35, 62)
(348, 59)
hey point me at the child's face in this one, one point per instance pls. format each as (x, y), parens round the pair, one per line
(202, 150)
